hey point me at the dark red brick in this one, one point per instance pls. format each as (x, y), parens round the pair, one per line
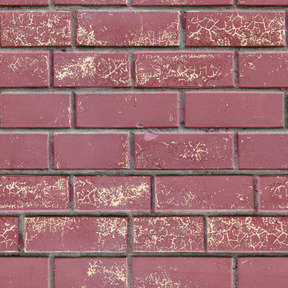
(151, 272)
(184, 151)
(86, 272)
(131, 110)
(76, 234)
(35, 110)
(181, 2)
(168, 234)
(112, 193)
(235, 28)
(262, 2)
(91, 2)
(24, 151)
(91, 151)
(89, 69)
(128, 28)
(24, 69)
(263, 151)
(184, 69)
(8, 235)
(34, 193)
(204, 193)
(24, 2)
(252, 110)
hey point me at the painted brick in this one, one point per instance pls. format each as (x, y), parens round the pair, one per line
(181, 2)
(204, 193)
(131, 110)
(69, 234)
(262, 2)
(24, 69)
(273, 195)
(185, 69)
(251, 110)
(263, 151)
(20, 29)
(24, 2)
(184, 151)
(89, 69)
(34, 193)
(168, 234)
(35, 110)
(91, 2)
(91, 151)
(128, 28)
(182, 272)
(262, 272)
(85, 272)
(112, 193)
(235, 28)
(263, 69)
(14, 272)
(8, 234)
(244, 234)
(24, 151)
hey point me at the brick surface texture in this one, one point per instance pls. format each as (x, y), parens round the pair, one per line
(143, 144)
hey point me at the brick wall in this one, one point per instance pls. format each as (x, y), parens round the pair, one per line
(143, 143)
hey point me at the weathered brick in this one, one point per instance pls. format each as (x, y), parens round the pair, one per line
(168, 234)
(171, 272)
(91, 151)
(234, 109)
(24, 69)
(76, 234)
(24, 272)
(273, 193)
(23, 2)
(112, 193)
(184, 151)
(262, 2)
(34, 193)
(181, 2)
(24, 151)
(246, 234)
(35, 29)
(91, 2)
(35, 110)
(184, 69)
(204, 193)
(8, 234)
(86, 272)
(128, 28)
(89, 69)
(235, 28)
(131, 110)
(264, 272)
(263, 69)
(263, 151)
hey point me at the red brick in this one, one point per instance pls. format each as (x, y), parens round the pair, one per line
(34, 193)
(91, 2)
(89, 69)
(263, 69)
(168, 234)
(8, 234)
(184, 69)
(91, 151)
(234, 110)
(128, 28)
(262, 2)
(24, 69)
(181, 2)
(263, 151)
(273, 194)
(76, 234)
(264, 272)
(246, 234)
(184, 151)
(24, 272)
(86, 272)
(131, 110)
(204, 193)
(235, 28)
(24, 2)
(112, 193)
(35, 110)
(35, 28)
(24, 151)
(151, 272)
